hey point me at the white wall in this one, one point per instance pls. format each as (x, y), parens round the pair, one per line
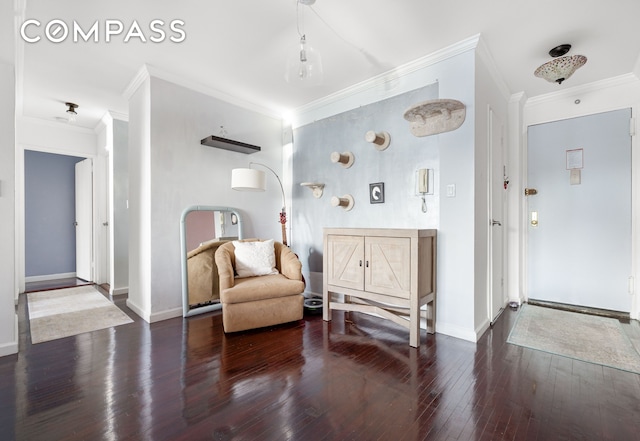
(167, 122)
(489, 95)
(139, 299)
(8, 288)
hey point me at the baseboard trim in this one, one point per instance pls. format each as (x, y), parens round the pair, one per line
(11, 347)
(119, 291)
(165, 315)
(150, 317)
(456, 332)
(49, 277)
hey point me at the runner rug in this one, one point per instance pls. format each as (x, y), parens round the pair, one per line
(590, 338)
(66, 312)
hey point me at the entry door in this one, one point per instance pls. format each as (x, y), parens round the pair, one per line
(84, 219)
(497, 200)
(579, 247)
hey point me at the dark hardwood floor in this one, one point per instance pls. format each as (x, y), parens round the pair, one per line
(354, 379)
(47, 285)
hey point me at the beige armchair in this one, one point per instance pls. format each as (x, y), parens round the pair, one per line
(259, 301)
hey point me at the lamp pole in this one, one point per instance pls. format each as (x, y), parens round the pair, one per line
(283, 212)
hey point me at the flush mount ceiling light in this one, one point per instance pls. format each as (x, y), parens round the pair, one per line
(561, 67)
(304, 65)
(71, 112)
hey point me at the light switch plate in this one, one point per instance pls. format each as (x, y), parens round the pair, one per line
(451, 190)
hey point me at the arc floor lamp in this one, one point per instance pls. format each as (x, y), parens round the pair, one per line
(251, 179)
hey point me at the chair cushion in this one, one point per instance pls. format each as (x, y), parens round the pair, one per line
(262, 287)
(255, 258)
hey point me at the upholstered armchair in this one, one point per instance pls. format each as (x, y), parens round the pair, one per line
(255, 294)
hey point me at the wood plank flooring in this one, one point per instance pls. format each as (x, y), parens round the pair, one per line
(353, 379)
(47, 285)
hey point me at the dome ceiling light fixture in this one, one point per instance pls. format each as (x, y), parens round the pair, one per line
(561, 67)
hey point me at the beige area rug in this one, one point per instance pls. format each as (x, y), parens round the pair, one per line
(590, 338)
(65, 312)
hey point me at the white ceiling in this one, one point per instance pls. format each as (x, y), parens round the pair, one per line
(239, 48)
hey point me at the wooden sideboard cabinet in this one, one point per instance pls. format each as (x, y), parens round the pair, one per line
(388, 272)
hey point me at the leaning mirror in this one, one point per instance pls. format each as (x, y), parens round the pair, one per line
(202, 230)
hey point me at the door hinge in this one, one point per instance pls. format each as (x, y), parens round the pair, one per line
(632, 126)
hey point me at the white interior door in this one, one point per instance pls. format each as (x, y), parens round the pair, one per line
(84, 219)
(579, 229)
(497, 200)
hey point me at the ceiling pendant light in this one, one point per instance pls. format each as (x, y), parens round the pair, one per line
(71, 112)
(304, 65)
(561, 67)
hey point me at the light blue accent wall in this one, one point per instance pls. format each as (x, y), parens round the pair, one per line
(395, 167)
(50, 242)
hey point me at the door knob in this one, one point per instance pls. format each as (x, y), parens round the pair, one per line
(495, 222)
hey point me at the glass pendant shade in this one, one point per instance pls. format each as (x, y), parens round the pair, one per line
(304, 65)
(248, 179)
(561, 68)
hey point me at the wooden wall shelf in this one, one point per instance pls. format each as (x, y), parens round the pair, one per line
(229, 144)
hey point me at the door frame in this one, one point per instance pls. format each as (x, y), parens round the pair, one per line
(97, 233)
(491, 230)
(555, 107)
(589, 298)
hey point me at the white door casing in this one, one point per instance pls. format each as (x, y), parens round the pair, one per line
(84, 219)
(496, 222)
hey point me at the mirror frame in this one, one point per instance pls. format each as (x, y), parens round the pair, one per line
(186, 311)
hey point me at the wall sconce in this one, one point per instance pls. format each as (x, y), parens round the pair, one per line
(346, 159)
(250, 179)
(379, 140)
(346, 202)
(316, 188)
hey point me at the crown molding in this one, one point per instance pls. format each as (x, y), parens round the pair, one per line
(147, 71)
(119, 115)
(136, 81)
(55, 124)
(621, 80)
(393, 74)
(485, 55)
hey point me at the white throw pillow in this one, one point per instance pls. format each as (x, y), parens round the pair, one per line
(255, 258)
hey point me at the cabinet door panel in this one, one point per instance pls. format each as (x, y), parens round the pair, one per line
(388, 266)
(345, 261)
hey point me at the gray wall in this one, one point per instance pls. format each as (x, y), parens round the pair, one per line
(120, 211)
(50, 241)
(395, 167)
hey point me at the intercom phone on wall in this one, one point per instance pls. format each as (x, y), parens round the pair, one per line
(424, 185)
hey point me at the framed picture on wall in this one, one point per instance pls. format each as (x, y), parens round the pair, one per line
(376, 193)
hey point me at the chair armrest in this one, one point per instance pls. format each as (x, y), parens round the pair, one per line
(224, 261)
(287, 262)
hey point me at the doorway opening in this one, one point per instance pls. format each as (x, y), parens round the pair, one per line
(52, 188)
